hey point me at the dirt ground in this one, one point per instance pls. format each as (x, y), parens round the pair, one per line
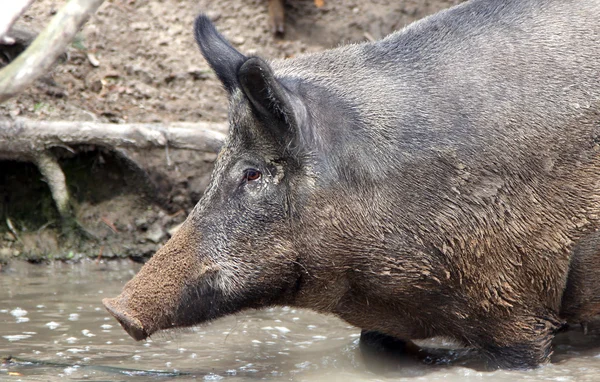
(136, 61)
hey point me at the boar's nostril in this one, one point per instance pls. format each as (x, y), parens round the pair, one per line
(132, 325)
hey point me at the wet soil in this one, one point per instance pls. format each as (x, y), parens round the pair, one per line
(136, 61)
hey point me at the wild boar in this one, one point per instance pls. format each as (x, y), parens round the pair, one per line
(434, 183)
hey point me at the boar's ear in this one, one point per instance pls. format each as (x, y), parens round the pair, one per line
(223, 58)
(279, 108)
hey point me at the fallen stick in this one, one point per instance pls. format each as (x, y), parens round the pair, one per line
(46, 48)
(24, 137)
(30, 140)
(51, 171)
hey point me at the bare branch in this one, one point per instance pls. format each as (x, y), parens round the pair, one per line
(46, 48)
(51, 171)
(23, 137)
(30, 140)
(11, 11)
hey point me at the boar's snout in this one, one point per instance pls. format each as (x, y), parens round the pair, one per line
(132, 325)
(166, 292)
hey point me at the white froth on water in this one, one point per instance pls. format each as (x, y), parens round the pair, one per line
(52, 325)
(69, 370)
(87, 333)
(18, 312)
(16, 337)
(212, 377)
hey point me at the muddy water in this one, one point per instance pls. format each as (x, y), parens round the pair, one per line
(53, 325)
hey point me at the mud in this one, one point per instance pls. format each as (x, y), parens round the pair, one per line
(136, 61)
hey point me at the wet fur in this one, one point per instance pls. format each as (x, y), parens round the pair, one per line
(437, 182)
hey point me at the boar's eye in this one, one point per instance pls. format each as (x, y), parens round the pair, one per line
(251, 175)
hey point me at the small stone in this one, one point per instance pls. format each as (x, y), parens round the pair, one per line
(213, 15)
(198, 185)
(174, 229)
(140, 26)
(93, 60)
(155, 233)
(238, 40)
(198, 73)
(145, 75)
(209, 157)
(6, 40)
(96, 86)
(141, 223)
(145, 91)
(179, 199)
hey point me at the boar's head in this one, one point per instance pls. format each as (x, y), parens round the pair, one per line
(236, 249)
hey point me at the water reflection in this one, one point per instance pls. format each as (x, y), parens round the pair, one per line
(53, 324)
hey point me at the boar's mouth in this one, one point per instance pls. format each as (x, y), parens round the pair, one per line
(132, 325)
(195, 305)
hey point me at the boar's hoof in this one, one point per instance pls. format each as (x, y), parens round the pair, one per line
(132, 325)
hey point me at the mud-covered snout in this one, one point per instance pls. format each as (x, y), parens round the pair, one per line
(154, 298)
(132, 325)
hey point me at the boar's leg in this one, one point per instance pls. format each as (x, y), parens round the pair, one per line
(277, 16)
(373, 342)
(581, 299)
(376, 347)
(519, 342)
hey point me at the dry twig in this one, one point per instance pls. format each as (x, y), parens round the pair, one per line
(46, 48)
(30, 140)
(51, 171)
(21, 137)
